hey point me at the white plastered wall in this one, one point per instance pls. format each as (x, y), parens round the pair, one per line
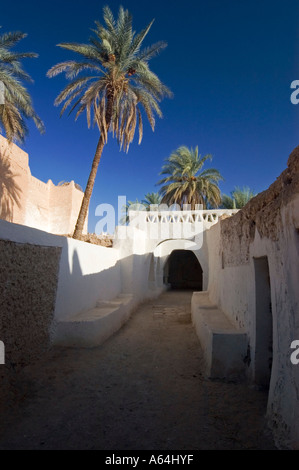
(232, 288)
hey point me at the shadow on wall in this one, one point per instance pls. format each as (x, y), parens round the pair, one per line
(86, 276)
(28, 282)
(40, 272)
(10, 192)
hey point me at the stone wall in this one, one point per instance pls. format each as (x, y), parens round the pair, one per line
(264, 213)
(44, 278)
(264, 233)
(28, 284)
(26, 200)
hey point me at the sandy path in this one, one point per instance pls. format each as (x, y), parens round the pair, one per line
(142, 389)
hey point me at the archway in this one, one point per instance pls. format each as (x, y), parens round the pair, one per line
(162, 254)
(183, 271)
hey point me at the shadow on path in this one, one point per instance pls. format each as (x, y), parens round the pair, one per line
(142, 389)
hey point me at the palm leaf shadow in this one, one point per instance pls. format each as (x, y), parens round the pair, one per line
(10, 192)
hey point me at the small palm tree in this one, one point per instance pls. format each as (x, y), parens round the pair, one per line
(16, 104)
(151, 201)
(238, 199)
(130, 206)
(117, 85)
(187, 182)
(228, 202)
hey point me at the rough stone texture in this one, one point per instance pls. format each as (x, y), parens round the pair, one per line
(267, 227)
(28, 281)
(263, 213)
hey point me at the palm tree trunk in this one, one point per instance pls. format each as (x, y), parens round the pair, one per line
(88, 191)
(93, 172)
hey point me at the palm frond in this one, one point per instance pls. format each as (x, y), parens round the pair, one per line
(139, 38)
(9, 40)
(17, 107)
(122, 86)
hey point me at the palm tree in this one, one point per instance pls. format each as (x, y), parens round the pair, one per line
(130, 206)
(151, 201)
(187, 182)
(228, 202)
(238, 199)
(16, 104)
(117, 84)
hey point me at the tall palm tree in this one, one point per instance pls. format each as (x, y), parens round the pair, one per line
(16, 104)
(187, 182)
(117, 85)
(238, 199)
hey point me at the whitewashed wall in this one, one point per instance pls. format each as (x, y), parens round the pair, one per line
(87, 273)
(232, 287)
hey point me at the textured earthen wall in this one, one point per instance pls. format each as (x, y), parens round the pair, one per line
(267, 227)
(28, 283)
(263, 212)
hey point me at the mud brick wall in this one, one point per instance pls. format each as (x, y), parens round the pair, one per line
(264, 212)
(28, 282)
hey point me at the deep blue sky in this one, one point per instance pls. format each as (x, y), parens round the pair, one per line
(229, 63)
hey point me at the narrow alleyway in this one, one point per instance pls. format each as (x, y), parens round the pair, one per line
(142, 389)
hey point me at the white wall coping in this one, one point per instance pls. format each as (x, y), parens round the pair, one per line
(211, 216)
(23, 234)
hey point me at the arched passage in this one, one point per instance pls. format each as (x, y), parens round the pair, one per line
(183, 270)
(162, 254)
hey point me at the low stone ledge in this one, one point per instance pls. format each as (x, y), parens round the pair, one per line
(224, 346)
(90, 329)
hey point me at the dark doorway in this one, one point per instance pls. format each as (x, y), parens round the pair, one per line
(263, 323)
(183, 271)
